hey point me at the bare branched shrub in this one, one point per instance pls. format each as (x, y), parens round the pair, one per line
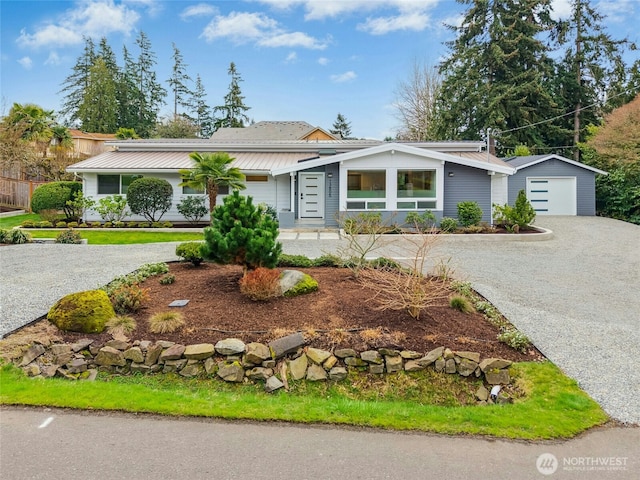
(407, 288)
(364, 232)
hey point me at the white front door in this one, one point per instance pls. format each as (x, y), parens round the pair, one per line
(552, 195)
(311, 195)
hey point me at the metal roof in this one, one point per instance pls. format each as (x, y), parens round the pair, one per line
(173, 161)
(268, 130)
(529, 160)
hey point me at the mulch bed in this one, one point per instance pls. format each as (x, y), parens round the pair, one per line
(340, 314)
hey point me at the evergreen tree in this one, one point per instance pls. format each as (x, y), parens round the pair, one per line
(127, 92)
(233, 110)
(341, 127)
(74, 86)
(178, 82)
(496, 74)
(150, 94)
(99, 110)
(592, 70)
(200, 111)
(179, 126)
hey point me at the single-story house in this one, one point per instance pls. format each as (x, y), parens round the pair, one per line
(555, 185)
(315, 182)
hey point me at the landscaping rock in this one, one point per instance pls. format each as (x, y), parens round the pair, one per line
(280, 347)
(230, 346)
(108, 356)
(118, 344)
(89, 376)
(317, 355)
(298, 367)
(260, 373)
(272, 384)
(497, 377)
(81, 344)
(410, 354)
(153, 354)
(165, 343)
(338, 374)
(371, 356)
(231, 372)
(450, 366)
(431, 357)
(34, 352)
(289, 279)
(393, 364)
(85, 312)
(412, 366)
(48, 371)
(32, 370)
(139, 368)
(77, 365)
(447, 354)
(134, 354)
(294, 282)
(376, 368)
(355, 362)
(389, 352)
(256, 353)
(210, 365)
(60, 349)
(315, 373)
(345, 352)
(192, 370)
(63, 358)
(466, 367)
(330, 362)
(174, 352)
(473, 356)
(199, 351)
(493, 363)
(439, 364)
(482, 393)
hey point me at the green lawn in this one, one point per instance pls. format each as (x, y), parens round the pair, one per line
(553, 407)
(10, 222)
(123, 237)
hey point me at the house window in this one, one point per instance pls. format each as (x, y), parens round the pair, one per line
(115, 184)
(192, 191)
(256, 178)
(366, 183)
(416, 183)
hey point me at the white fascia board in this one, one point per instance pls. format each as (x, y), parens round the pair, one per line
(562, 159)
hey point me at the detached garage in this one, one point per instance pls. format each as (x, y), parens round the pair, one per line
(554, 184)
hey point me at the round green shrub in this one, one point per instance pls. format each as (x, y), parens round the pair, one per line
(150, 197)
(44, 224)
(299, 261)
(469, 213)
(191, 252)
(54, 195)
(61, 224)
(448, 225)
(84, 312)
(69, 236)
(17, 237)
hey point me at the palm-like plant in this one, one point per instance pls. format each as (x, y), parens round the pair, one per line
(212, 171)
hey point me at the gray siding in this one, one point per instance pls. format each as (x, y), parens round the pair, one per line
(466, 184)
(585, 182)
(332, 194)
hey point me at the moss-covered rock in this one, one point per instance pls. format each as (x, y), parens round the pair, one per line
(85, 312)
(306, 284)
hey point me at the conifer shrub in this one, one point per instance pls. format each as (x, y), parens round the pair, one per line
(469, 213)
(515, 218)
(299, 261)
(261, 284)
(191, 252)
(448, 225)
(242, 233)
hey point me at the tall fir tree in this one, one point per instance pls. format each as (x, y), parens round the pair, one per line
(200, 111)
(127, 92)
(74, 86)
(99, 110)
(178, 82)
(233, 110)
(150, 94)
(592, 72)
(496, 73)
(341, 127)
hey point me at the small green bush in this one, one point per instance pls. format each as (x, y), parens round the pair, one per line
(44, 224)
(61, 224)
(72, 224)
(28, 224)
(193, 208)
(112, 208)
(69, 236)
(515, 218)
(190, 252)
(132, 224)
(515, 339)
(167, 224)
(83, 225)
(421, 221)
(4, 233)
(150, 197)
(326, 260)
(107, 225)
(167, 279)
(469, 213)
(16, 236)
(461, 303)
(143, 224)
(96, 224)
(118, 224)
(289, 261)
(150, 269)
(128, 298)
(448, 225)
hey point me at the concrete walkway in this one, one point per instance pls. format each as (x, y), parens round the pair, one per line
(575, 295)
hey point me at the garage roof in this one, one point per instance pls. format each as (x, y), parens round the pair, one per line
(527, 161)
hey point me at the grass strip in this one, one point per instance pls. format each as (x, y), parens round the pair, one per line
(123, 237)
(553, 406)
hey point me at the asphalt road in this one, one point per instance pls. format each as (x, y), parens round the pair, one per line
(54, 444)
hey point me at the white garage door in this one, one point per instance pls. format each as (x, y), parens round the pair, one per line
(552, 195)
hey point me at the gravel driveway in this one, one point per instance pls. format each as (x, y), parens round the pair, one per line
(576, 295)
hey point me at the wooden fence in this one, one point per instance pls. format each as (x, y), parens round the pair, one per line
(17, 193)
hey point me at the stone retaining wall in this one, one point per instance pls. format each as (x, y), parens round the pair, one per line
(234, 361)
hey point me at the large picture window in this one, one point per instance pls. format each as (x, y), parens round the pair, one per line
(115, 184)
(366, 184)
(416, 183)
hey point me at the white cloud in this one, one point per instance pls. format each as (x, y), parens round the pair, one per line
(295, 39)
(323, 61)
(53, 59)
(26, 63)
(243, 27)
(291, 58)
(199, 10)
(561, 9)
(344, 77)
(414, 21)
(88, 18)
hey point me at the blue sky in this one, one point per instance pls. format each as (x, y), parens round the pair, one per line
(299, 59)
